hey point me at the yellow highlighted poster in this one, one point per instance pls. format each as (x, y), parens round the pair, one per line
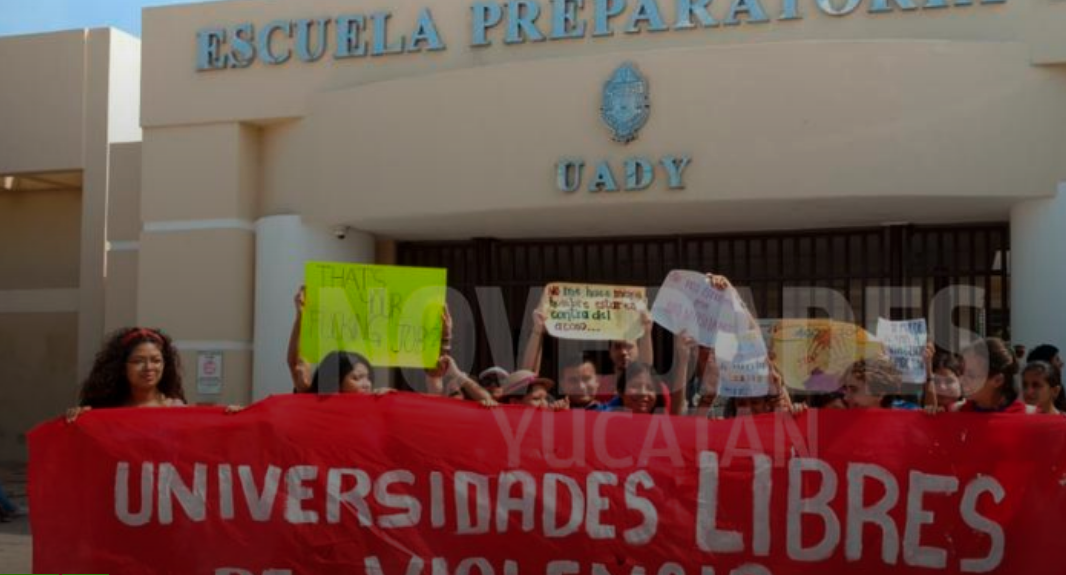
(595, 312)
(389, 314)
(812, 354)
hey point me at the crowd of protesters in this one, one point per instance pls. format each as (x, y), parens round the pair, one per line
(139, 367)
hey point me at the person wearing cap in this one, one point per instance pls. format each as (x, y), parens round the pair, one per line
(524, 387)
(491, 380)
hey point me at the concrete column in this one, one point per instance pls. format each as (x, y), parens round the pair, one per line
(111, 105)
(1038, 272)
(283, 245)
(94, 199)
(123, 236)
(196, 268)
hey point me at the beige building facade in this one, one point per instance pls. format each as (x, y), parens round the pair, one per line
(260, 130)
(69, 193)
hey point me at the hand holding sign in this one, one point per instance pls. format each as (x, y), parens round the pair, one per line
(594, 312)
(392, 315)
(745, 368)
(813, 353)
(905, 343)
(688, 301)
(708, 306)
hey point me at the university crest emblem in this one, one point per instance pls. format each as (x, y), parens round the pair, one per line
(625, 106)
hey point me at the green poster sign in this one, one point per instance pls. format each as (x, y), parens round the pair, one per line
(390, 314)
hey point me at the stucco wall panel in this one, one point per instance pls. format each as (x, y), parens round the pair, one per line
(1044, 22)
(120, 303)
(124, 195)
(175, 93)
(764, 122)
(197, 172)
(37, 374)
(41, 107)
(198, 284)
(236, 373)
(40, 239)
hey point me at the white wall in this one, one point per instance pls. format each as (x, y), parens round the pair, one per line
(124, 103)
(1038, 271)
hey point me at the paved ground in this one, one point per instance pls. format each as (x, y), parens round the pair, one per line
(16, 545)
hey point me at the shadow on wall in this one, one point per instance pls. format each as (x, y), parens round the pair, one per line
(38, 374)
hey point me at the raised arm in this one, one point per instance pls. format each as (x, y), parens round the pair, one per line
(708, 385)
(683, 346)
(533, 351)
(784, 398)
(645, 345)
(929, 399)
(455, 379)
(436, 376)
(299, 369)
(722, 283)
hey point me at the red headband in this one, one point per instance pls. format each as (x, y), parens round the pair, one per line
(142, 333)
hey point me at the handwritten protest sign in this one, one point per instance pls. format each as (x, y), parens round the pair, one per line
(595, 312)
(390, 314)
(743, 363)
(687, 302)
(904, 342)
(766, 326)
(813, 353)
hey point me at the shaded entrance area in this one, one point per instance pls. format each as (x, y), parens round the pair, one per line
(892, 271)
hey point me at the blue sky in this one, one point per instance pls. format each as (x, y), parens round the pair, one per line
(29, 16)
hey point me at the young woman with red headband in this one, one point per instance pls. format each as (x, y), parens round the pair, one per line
(138, 367)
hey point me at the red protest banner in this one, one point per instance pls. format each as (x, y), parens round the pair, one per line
(405, 484)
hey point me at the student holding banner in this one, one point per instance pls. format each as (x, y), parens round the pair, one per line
(871, 383)
(1042, 388)
(988, 379)
(137, 367)
(491, 380)
(945, 370)
(579, 382)
(523, 387)
(640, 390)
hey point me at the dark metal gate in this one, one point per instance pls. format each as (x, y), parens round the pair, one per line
(926, 259)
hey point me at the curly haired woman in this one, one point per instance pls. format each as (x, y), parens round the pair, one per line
(138, 367)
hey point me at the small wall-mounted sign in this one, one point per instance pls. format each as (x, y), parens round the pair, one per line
(209, 372)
